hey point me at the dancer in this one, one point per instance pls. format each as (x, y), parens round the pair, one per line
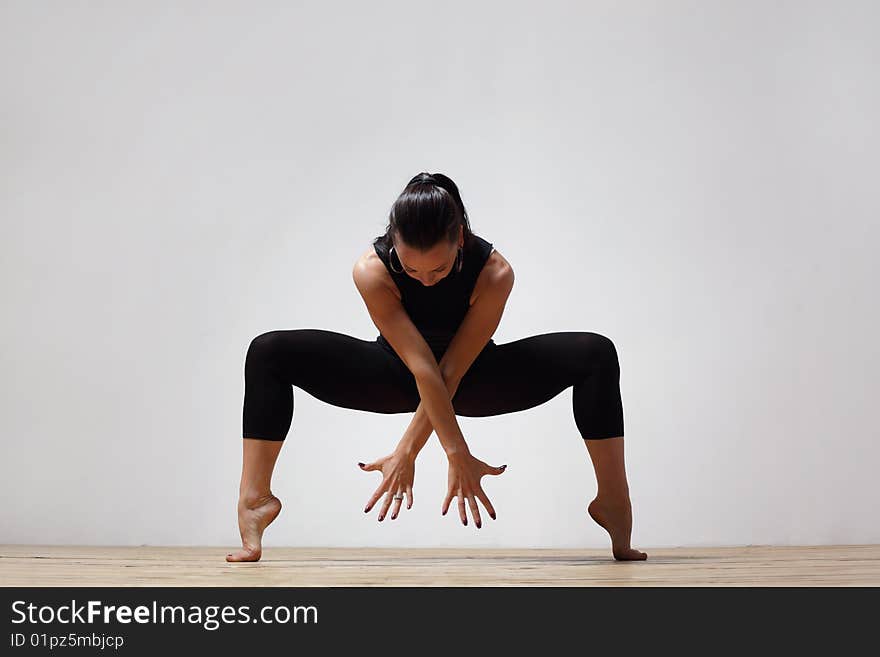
(436, 292)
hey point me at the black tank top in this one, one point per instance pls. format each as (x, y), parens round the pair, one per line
(438, 310)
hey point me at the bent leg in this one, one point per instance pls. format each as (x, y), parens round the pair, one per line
(525, 373)
(336, 368)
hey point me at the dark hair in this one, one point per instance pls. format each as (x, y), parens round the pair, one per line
(427, 211)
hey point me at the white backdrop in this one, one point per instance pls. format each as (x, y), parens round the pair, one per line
(697, 181)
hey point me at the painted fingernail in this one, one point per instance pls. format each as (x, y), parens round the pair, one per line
(493, 516)
(367, 510)
(380, 518)
(479, 524)
(360, 464)
(465, 522)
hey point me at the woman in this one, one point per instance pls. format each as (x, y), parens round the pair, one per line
(436, 292)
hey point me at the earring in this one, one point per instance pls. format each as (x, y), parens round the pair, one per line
(391, 265)
(460, 259)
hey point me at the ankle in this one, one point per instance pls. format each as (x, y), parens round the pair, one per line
(253, 497)
(614, 498)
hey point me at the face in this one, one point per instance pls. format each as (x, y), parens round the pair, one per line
(430, 266)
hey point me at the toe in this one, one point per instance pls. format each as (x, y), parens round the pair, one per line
(244, 555)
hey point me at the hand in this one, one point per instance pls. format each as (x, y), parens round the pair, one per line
(465, 472)
(398, 473)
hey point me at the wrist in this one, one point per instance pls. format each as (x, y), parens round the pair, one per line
(409, 451)
(457, 451)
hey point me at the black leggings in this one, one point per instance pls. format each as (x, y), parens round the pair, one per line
(365, 375)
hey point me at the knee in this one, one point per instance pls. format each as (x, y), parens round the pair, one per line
(262, 347)
(600, 349)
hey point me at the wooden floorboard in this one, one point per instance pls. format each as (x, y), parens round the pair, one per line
(839, 565)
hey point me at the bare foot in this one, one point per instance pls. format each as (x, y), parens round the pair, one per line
(616, 519)
(253, 517)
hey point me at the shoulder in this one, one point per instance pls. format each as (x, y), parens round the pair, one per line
(497, 274)
(370, 273)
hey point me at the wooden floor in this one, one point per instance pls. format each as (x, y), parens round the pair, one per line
(843, 565)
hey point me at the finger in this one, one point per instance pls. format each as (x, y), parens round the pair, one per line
(385, 504)
(409, 497)
(461, 508)
(382, 488)
(366, 467)
(486, 503)
(498, 470)
(395, 509)
(447, 502)
(475, 512)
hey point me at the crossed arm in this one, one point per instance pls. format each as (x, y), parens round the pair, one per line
(478, 325)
